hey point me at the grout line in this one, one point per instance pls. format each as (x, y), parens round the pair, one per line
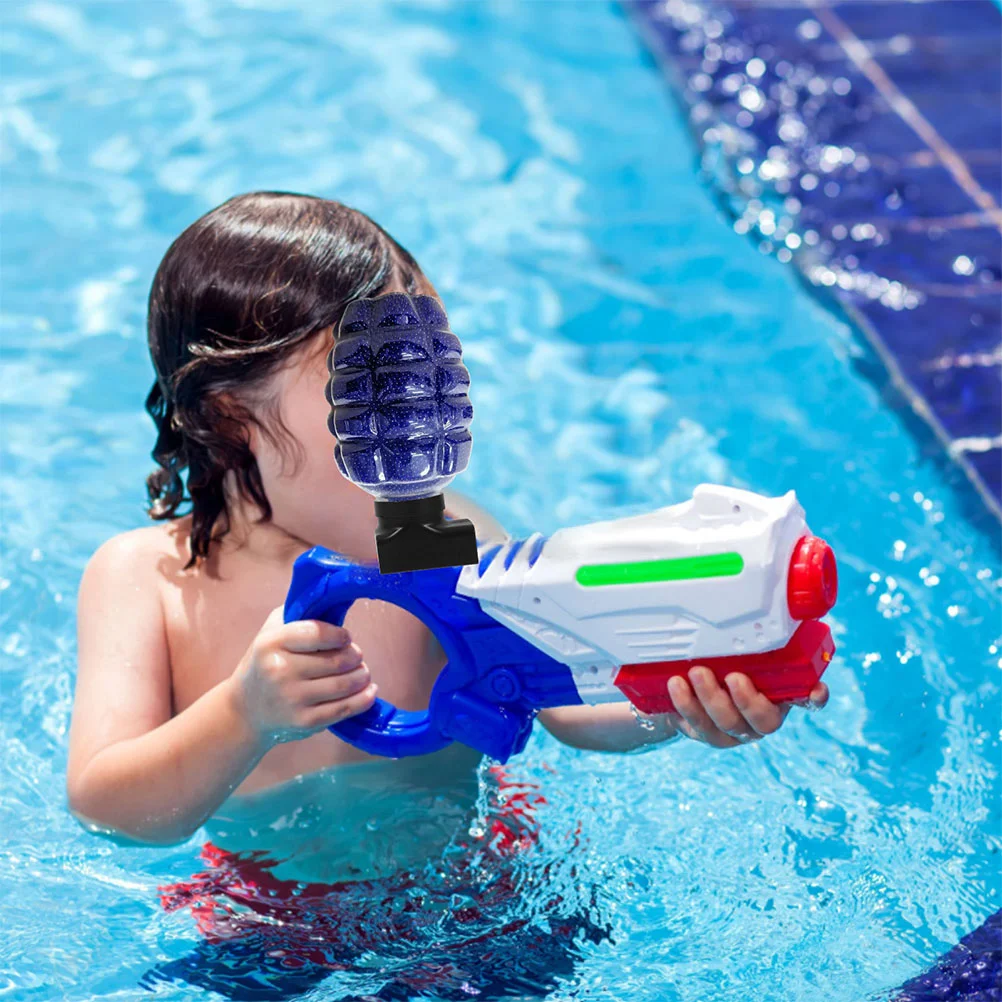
(977, 443)
(965, 221)
(857, 51)
(965, 360)
(946, 291)
(926, 158)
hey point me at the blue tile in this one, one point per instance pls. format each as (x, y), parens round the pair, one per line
(966, 401)
(893, 192)
(874, 129)
(988, 174)
(966, 396)
(989, 467)
(966, 124)
(872, 20)
(939, 258)
(958, 65)
(941, 329)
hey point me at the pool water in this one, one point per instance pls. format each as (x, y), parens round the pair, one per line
(624, 345)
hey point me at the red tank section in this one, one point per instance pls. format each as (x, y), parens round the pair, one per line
(783, 675)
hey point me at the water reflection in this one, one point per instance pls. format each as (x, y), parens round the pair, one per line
(383, 880)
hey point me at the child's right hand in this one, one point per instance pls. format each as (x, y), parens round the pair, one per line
(298, 678)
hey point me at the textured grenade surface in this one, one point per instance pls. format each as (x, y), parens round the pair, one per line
(399, 396)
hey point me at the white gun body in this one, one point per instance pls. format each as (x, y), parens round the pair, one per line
(703, 579)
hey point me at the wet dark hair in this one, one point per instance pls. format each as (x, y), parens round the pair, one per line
(237, 293)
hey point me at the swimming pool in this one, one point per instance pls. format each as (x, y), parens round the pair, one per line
(621, 338)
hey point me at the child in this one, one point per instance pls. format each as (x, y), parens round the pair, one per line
(190, 688)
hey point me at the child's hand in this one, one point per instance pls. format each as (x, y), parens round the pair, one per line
(298, 678)
(723, 717)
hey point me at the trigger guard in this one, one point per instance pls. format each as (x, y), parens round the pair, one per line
(384, 722)
(325, 587)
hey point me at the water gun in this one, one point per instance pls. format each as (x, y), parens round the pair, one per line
(596, 613)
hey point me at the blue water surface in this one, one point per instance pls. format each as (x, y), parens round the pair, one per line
(624, 345)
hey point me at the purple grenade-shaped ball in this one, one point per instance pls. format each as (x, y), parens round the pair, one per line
(399, 396)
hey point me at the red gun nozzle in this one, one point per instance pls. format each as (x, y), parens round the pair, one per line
(812, 586)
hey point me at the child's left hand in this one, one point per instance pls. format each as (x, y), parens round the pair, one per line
(735, 713)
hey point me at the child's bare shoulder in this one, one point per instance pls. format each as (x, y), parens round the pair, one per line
(151, 553)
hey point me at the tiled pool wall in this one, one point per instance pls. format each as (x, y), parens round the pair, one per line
(970, 972)
(861, 142)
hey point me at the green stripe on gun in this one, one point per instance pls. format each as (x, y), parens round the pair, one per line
(715, 565)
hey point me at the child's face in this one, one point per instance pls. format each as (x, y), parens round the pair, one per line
(309, 496)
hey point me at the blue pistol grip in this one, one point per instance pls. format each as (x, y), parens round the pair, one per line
(489, 691)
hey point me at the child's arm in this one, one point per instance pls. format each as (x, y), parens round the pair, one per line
(609, 727)
(138, 771)
(720, 716)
